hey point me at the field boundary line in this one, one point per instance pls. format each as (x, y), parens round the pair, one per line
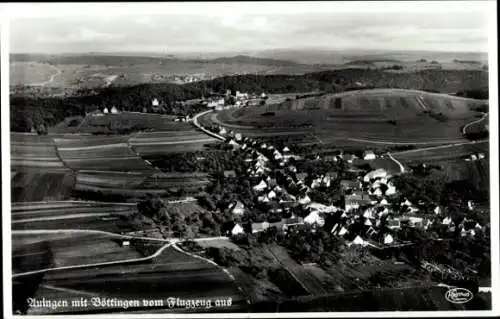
(109, 263)
(440, 146)
(85, 231)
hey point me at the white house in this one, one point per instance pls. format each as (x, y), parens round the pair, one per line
(155, 102)
(391, 189)
(342, 231)
(437, 210)
(369, 155)
(238, 209)
(478, 226)
(368, 222)
(271, 195)
(358, 241)
(286, 149)
(263, 199)
(106, 111)
(480, 155)
(388, 239)
(446, 221)
(314, 218)
(238, 137)
(222, 131)
(114, 110)
(263, 95)
(233, 142)
(237, 229)
(125, 243)
(384, 202)
(378, 192)
(261, 186)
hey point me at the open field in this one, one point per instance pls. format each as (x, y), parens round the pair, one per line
(77, 249)
(386, 116)
(28, 185)
(172, 274)
(442, 153)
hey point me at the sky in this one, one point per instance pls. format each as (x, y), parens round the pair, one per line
(225, 27)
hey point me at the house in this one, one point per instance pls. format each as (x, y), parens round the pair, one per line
(263, 199)
(259, 227)
(342, 231)
(304, 200)
(237, 137)
(271, 195)
(125, 243)
(383, 202)
(237, 230)
(391, 189)
(354, 201)
(358, 241)
(369, 212)
(222, 131)
(416, 222)
(238, 208)
(261, 186)
(286, 149)
(437, 210)
(263, 95)
(368, 222)
(314, 219)
(447, 221)
(369, 155)
(388, 239)
(155, 102)
(393, 223)
(114, 110)
(105, 111)
(233, 142)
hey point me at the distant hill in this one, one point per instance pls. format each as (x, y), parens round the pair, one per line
(245, 59)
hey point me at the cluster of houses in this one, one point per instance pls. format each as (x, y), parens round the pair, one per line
(241, 99)
(373, 211)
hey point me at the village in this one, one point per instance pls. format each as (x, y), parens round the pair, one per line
(371, 214)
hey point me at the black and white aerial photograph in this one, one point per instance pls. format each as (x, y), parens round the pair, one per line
(250, 158)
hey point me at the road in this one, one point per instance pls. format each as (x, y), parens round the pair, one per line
(485, 115)
(50, 80)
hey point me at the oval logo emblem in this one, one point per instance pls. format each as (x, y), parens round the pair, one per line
(459, 295)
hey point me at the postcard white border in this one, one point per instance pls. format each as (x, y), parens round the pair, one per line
(36, 10)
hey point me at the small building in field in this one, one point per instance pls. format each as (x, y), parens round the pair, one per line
(105, 111)
(155, 102)
(114, 110)
(125, 243)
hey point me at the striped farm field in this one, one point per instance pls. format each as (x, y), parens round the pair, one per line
(96, 153)
(33, 151)
(160, 143)
(110, 217)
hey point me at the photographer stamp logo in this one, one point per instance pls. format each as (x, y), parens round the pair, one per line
(459, 295)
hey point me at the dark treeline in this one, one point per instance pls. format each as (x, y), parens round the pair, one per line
(28, 112)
